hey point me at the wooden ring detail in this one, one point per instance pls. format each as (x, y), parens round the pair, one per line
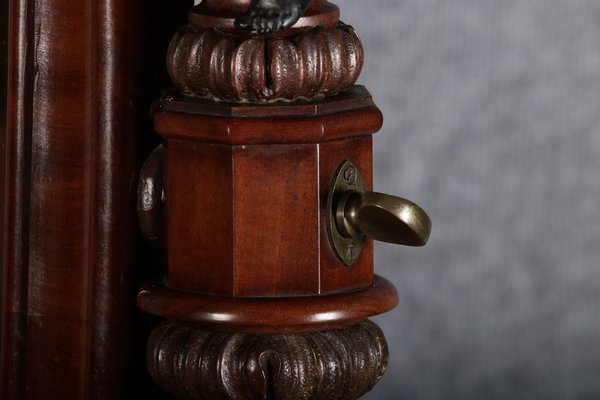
(269, 314)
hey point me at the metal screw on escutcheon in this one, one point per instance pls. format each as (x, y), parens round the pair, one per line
(352, 252)
(350, 175)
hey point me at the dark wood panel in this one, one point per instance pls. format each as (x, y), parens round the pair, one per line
(79, 86)
(64, 133)
(18, 144)
(3, 126)
(114, 256)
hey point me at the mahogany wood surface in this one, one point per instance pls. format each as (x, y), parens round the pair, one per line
(348, 114)
(268, 314)
(76, 112)
(250, 219)
(79, 82)
(3, 93)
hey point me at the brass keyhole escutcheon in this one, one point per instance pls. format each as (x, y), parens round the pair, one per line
(354, 214)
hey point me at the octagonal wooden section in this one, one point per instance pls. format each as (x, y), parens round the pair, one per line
(246, 195)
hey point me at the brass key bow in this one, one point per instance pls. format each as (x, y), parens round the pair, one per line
(355, 214)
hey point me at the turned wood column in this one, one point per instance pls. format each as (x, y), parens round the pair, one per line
(78, 82)
(261, 198)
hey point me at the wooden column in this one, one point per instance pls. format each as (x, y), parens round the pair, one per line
(77, 91)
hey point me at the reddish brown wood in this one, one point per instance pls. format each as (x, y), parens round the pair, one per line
(250, 228)
(200, 217)
(269, 314)
(276, 130)
(73, 143)
(248, 197)
(276, 221)
(250, 219)
(350, 114)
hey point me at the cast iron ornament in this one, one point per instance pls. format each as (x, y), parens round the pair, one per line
(269, 16)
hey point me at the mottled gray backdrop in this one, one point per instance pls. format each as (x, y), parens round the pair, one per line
(492, 124)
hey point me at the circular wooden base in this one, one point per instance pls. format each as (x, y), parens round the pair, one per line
(269, 314)
(338, 364)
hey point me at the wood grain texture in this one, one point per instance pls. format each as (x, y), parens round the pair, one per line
(3, 126)
(243, 219)
(277, 130)
(248, 219)
(18, 140)
(276, 220)
(72, 154)
(200, 217)
(202, 365)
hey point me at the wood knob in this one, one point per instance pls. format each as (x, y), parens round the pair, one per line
(151, 198)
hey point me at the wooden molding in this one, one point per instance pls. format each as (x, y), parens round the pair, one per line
(77, 101)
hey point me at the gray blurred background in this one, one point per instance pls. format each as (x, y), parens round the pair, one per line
(492, 124)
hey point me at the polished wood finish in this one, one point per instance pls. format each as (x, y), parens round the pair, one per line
(68, 199)
(76, 115)
(246, 239)
(3, 126)
(253, 284)
(248, 219)
(269, 314)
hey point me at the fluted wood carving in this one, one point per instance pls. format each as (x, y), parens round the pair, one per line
(319, 62)
(195, 364)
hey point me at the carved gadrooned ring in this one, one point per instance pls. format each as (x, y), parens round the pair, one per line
(319, 62)
(191, 363)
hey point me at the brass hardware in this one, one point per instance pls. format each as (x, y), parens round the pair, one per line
(347, 179)
(383, 217)
(355, 214)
